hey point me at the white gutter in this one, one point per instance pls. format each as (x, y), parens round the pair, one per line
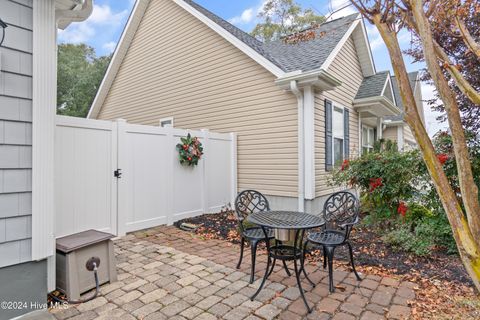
(64, 17)
(301, 164)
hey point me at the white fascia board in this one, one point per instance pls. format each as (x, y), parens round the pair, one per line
(389, 123)
(388, 84)
(368, 104)
(340, 44)
(118, 56)
(317, 78)
(367, 43)
(264, 62)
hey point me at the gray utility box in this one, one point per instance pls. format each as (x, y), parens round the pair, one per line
(74, 251)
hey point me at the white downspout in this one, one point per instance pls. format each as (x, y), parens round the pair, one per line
(301, 146)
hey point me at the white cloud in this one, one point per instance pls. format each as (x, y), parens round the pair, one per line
(102, 14)
(101, 17)
(249, 15)
(246, 17)
(339, 8)
(376, 41)
(109, 46)
(433, 125)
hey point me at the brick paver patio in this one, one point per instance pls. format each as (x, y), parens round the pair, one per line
(166, 273)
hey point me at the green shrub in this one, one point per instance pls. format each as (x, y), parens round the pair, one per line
(428, 234)
(417, 212)
(385, 177)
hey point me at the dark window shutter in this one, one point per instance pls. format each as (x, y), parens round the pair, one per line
(328, 135)
(346, 125)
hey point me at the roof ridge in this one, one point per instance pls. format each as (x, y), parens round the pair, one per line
(316, 27)
(198, 6)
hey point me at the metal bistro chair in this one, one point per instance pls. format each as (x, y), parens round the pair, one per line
(340, 212)
(248, 202)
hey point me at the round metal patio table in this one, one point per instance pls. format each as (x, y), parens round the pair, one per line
(286, 220)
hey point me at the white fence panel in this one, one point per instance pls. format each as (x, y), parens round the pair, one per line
(144, 186)
(188, 182)
(85, 189)
(220, 171)
(154, 188)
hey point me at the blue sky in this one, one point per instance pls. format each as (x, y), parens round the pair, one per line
(104, 27)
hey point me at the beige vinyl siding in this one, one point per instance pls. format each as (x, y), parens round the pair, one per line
(390, 133)
(178, 67)
(345, 67)
(408, 135)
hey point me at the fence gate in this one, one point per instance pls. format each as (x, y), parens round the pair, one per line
(151, 187)
(85, 188)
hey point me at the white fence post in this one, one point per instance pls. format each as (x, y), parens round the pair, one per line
(122, 183)
(234, 186)
(205, 171)
(172, 154)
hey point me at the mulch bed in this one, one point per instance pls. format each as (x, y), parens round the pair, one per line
(369, 250)
(444, 288)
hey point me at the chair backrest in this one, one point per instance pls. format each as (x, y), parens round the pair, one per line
(341, 209)
(248, 202)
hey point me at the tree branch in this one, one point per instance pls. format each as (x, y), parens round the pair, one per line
(468, 187)
(467, 37)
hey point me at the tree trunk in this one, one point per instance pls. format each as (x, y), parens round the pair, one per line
(464, 168)
(467, 246)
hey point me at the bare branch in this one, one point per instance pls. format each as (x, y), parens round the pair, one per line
(467, 37)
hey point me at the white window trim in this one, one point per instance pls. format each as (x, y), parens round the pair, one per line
(165, 120)
(338, 106)
(361, 138)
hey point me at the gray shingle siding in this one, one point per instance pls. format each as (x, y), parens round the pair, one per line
(16, 133)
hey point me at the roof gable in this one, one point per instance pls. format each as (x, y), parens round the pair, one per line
(373, 86)
(277, 57)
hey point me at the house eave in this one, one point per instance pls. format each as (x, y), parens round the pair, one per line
(68, 11)
(390, 123)
(376, 106)
(317, 78)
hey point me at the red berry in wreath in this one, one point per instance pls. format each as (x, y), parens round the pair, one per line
(189, 159)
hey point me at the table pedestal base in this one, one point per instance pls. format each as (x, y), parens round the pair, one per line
(287, 253)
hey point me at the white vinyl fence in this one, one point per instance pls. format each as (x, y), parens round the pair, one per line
(153, 189)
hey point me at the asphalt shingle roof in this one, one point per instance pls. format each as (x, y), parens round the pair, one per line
(305, 56)
(310, 55)
(372, 86)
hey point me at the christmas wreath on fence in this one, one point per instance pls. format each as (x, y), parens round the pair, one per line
(190, 150)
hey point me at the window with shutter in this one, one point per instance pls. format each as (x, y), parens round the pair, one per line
(346, 119)
(337, 138)
(328, 136)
